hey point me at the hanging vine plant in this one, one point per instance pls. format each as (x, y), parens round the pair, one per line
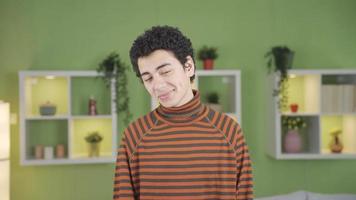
(113, 69)
(281, 57)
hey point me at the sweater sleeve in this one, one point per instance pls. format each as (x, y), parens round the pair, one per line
(244, 183)
(123, 187)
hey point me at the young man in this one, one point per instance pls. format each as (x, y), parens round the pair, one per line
(182, 149)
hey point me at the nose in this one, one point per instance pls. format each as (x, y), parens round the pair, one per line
(159, 83)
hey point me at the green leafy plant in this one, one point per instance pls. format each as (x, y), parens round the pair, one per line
(295, 123)
(207, 53)
(212, 97)
(93, 137)
(113, 69)
(281, 57)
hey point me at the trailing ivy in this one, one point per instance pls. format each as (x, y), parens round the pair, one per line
(113, 69)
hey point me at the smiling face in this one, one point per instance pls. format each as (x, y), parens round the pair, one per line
(165, 78)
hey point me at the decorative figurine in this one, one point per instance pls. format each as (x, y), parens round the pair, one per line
(335, 145)
(92, 106)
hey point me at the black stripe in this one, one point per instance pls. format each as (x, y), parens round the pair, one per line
(245, 193)
(244, 172)
(141, 125)
(122, 181)
(186, 113)
(117, 196)
(131, 136)
(181, 159)
(145, 118)
(122, 188)
(181, 166)
(157, 180)
(185, 152)
(129, 146)
(246, 186)
(211, 114)
(182, 132)
(223, 122)
(185, 145)
(240, 146)
(187, 193)
(194, 125)
(183, 173)
(228, 128)
(187, 187)
(244, 165)
(233, 134)
(217, 119)
(152, 118)
(182, 139)
(136, 131)
(246, 179)
(122, 174)
(122, 159)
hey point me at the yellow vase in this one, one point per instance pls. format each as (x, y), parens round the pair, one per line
(94, 149)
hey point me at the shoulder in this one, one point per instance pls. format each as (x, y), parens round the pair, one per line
(227, 126)
(138, 128)
(141, 124)
(221, 121)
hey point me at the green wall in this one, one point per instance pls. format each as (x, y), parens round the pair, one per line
(77, 35)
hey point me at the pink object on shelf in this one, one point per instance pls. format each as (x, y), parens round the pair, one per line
(292, 142)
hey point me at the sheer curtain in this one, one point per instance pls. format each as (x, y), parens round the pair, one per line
(4, 151)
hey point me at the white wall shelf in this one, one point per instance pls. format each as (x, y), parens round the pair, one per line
(70, 92)
(327, 101)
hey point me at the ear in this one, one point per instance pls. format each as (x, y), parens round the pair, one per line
(189, 67)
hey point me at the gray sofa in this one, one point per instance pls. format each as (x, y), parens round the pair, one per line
(305, 195)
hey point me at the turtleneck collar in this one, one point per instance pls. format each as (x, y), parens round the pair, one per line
(185, 113)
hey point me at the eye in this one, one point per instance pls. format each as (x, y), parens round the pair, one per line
(147, 79)
(166, 72)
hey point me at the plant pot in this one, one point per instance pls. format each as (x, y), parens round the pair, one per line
(94, 149)
(284, 60)
(208, 64)
(292, 142)
(294, 107)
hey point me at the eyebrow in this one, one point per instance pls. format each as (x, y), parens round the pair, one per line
(157, 68)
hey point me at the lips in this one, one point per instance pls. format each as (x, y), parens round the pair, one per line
(164, 96)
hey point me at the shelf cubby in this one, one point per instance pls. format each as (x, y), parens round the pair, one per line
(83, 88)
(41, 90)
(69, 93)
(80, 128)
(47, 133)
(327, 101)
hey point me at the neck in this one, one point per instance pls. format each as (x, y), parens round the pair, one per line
(186, 112)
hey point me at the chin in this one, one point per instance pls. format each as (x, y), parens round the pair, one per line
(167, 105)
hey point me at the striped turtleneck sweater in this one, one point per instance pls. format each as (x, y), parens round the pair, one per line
(187, 152)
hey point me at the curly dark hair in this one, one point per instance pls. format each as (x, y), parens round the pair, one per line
(161, 37)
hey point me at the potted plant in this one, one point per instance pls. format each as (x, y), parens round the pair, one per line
(94, 139)
(113, 69)
(282, 58)
(213, 101)
(208, 55)
(292, 140)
